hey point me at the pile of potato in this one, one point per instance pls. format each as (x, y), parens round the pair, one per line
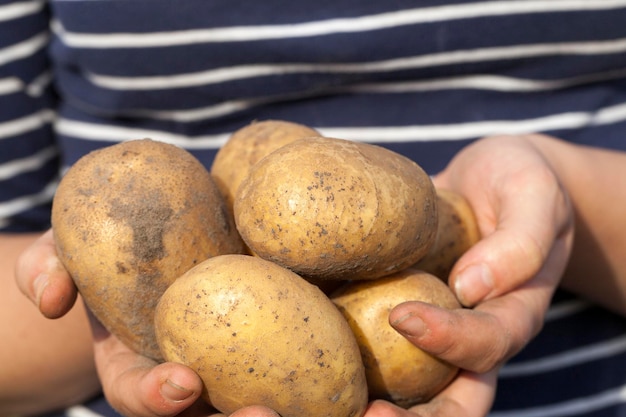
(272, 275)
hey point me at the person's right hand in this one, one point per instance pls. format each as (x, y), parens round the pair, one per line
(134, 385)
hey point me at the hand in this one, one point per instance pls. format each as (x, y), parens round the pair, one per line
(137, 386)
(133, 384)
(508, 277)
(469, 394)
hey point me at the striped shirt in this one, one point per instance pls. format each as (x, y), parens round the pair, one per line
(422, 78)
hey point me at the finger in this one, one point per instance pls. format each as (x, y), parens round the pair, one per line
(137, 386)
(43, 279)
(469, 339)
(380, 408)
(138, 390)
(517, 248)
(484, 337)
(255, 411)
(476, 339)
(521, 210)
(469, 395)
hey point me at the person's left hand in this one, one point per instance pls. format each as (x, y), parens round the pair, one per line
(508, 277)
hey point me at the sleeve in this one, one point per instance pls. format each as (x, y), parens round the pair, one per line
(29, 161)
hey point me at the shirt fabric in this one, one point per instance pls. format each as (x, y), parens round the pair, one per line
(421, 78)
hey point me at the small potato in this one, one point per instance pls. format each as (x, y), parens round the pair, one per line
(128, 220)
(258, 334)
(331, 209)
(396, 370)
(457, 231)
(247, 146)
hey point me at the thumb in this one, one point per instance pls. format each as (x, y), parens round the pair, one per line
(138, 386)
(43, 279)
(533, 231)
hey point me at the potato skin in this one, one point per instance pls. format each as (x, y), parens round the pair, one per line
(396, 370)
(247, 146)
(128, 220)
(457, 231)
(258, 334)
(330, 208)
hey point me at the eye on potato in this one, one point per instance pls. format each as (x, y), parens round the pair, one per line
(258, 334)
(128, 220)
(331, 208)
(396, 370)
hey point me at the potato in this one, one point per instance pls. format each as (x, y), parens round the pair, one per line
(258, 334)
(396, 370)
(128, 220)
(457, 231)
(247, 146)
(330, 208)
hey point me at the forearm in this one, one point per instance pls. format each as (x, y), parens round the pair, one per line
(46, 364)
(596, 182)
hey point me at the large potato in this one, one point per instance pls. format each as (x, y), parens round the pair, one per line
(247, 146)
(257, 333)
(396, 369)
(128, 220)
(330, 208)
(457, 231)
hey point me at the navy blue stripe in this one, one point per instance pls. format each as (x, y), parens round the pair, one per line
(31, 220)
(25, 145)
(425, 107)
(75, 148)
(574, 382)
(15, 30)
(576, 330)
(390, 43)
(19, 104)
(185, 14)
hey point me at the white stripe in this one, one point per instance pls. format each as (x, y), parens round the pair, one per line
(574, 407)
(19, 9)
(31, 163)
(109, 133)
(202, 113)
(11, 207)
(23, 49)
(414, 133)
(482, 82)
(10, 85)
(566, 309)
(488, 83)
(39, 84)
(26, 124)
(462, 131)
(81, 411)
(565, 359)
(326, 27)
(227, 74)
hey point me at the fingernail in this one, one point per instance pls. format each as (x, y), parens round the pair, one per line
(174, 392)
(39, 285)
(410, 325)
(473, 284)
